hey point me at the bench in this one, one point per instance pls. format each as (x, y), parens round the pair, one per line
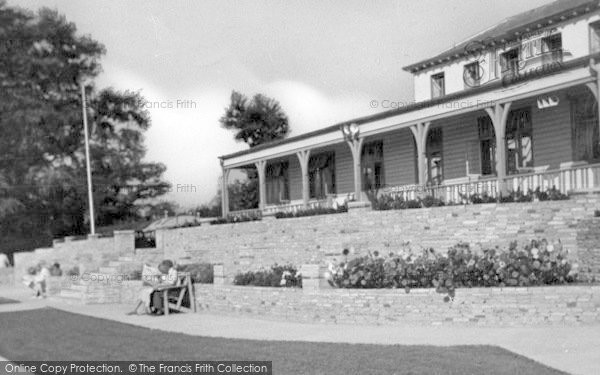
(179, 297)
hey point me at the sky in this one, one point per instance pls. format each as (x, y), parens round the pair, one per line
(324, 61)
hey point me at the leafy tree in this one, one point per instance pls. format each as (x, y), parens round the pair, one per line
(42, 167)
(255, 122)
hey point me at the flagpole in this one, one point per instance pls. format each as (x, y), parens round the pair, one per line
(87, 161)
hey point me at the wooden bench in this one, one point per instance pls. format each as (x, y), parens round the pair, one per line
(174, 296)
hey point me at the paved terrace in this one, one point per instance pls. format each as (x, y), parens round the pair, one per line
(574, 349)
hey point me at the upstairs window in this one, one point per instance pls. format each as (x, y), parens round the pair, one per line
(438, 86)
(552, 48)
(372, 166)
(509, 62)
(595, 37)
(472, 75)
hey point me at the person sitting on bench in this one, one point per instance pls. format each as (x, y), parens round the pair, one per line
(165, 274)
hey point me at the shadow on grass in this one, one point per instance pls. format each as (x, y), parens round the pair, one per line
(49, 334)
(7, 300)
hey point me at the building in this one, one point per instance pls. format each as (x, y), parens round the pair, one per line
(513, 107)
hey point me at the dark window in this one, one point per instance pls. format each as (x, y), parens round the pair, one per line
(472, 74)
(509, 62)
(487, 145)
(372, 166)
(277, 183)
(595, 37)
(584, 114)
(438, 86)
(433, 153)
(321, 175)
(552, 48)
(519, 141)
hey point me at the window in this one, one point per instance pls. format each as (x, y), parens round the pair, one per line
(595, 37)
(552, 48)
(584, 115)
(438, 87)
(277, 183)
(434, 157)
(372, 166)
(321, 175)
(509, 62)
(519, 141)
(487, 145)
(472, 75)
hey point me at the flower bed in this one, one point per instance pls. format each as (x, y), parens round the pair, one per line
(278, 276)
(311, 212)
(238, 218)
(394, 202)
(202, 273)
(537, 263)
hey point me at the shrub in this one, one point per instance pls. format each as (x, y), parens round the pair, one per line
(312, 212)
(395, 202)
(277, 276)
(135, 275)
(552, 194)
(200, 272)
(73, 271)
(537, 263)
(238, 218)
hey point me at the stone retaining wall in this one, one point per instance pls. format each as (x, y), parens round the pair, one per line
(319, 239)
(569, 305)
(6, 276)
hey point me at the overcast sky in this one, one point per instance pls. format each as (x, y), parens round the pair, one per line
(324, 61)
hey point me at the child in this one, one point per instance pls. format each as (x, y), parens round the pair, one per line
(36, 279)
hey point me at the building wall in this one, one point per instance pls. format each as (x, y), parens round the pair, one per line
(575, 39)
(552, 134)
(295, 177)
(399, 158)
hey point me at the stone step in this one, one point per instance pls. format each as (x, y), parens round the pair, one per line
(78, 288)
(108, 270)
(125, 259)
(70, 293)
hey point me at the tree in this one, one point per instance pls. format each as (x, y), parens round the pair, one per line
(255, 122)
(42, 167)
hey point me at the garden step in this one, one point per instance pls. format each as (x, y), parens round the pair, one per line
(108, 270)
(77, 287)
(126, 259)
(69, 293)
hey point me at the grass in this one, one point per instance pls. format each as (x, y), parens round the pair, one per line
(49, 334)
(7, 300)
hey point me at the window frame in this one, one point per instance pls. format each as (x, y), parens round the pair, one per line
(441, 77)
(364, 164)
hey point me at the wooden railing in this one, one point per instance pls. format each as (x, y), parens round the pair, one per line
(294, 207)
(567, 180)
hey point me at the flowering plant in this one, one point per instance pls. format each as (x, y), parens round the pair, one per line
(277, 276)
(536, 263)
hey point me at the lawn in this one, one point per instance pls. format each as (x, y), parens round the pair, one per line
(49, 334)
